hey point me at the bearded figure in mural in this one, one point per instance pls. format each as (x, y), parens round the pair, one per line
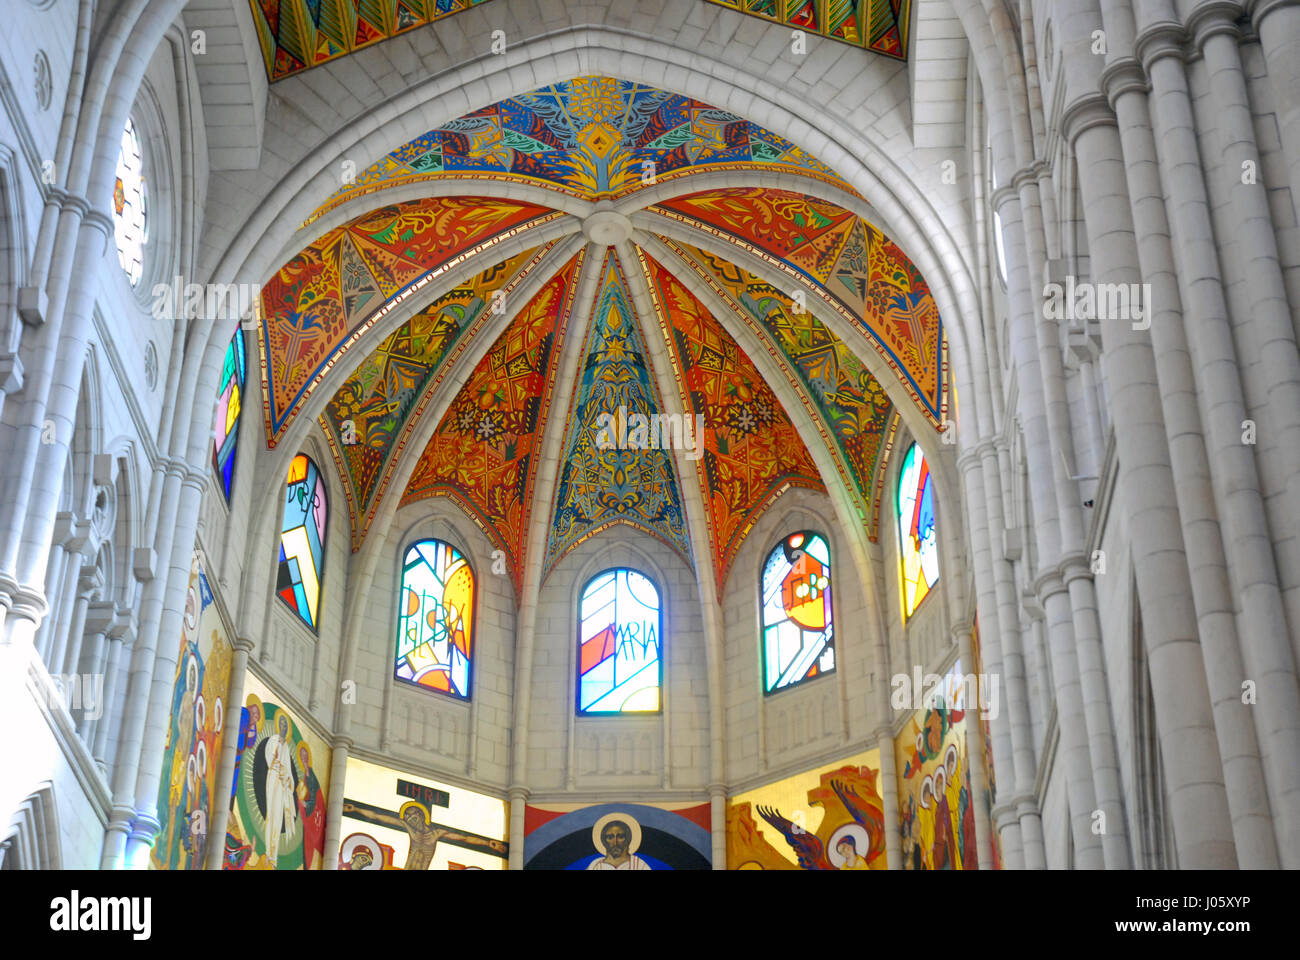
(279, 789)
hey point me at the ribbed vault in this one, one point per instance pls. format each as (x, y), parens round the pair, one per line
(383, 313)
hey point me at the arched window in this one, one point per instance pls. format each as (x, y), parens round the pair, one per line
(795, 599)
(435, 618)
(229, 404)
(302, 539)
(130, 219)
(620, 644)
(918, 548)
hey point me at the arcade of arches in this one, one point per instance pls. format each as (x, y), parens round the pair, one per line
(524, 435)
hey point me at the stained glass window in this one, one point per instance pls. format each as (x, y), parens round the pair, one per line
(435, 618)
(229, 404)
(302, 539)
(917, 545)
(130, 222)
(620, 644)
(798, 637)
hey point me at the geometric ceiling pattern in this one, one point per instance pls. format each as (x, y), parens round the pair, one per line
(847, 399)
(609, 474)
(876, 25)
(590, 137)
(484, 454)
(323, 299)
(752, 452)
(296, 35)
(870, 281)
(324, 313)
(370, 416)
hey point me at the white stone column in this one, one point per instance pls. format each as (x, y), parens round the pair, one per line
(1277, 23)
(112, 699)
(518, 801)
(341, 749)
(1233, 472)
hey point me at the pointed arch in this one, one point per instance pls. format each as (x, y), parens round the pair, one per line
(917, 543)
(796, 611)
(620, 644)
(435, 618)
(303, 533)
(225, 431)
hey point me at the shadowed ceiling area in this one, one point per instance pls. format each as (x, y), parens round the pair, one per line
(296, 35)
(383, 313)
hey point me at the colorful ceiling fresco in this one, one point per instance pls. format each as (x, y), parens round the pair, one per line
(876, 25)
(752, 452)
(848, 399)
(870, 281)
(296, 35)
(326, 297)
(607, 475)
(484, 453)
(595, 137)
(591, 137)
(370, 417)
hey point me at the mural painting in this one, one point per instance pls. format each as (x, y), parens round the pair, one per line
(936, 816)
(830, 818)
(192, 751)
(397, 821)
(281, 781)
(617, 836)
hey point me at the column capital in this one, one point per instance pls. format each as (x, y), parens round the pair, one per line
(1260, 9)
(245, 645)
(1211, 17)
(518, 793)
(1048, 584)
(1074, 566)
(1085, 113)
(717, 790)
(25, 601)
(341, 741)
(1158, 40)
(1123, 75)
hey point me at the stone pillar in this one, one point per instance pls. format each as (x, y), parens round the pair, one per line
(1277, 23)
(89, 585)
(220, 806)
(112, 698)
(1233, 474)
(341, 748)
(718, 824)
(518, 800)
(101, 617)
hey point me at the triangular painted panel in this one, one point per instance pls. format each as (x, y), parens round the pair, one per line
(605, 479)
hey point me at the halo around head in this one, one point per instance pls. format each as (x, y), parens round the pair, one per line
(634, 829)
(424, 811)
(861, 842)
(362, 840)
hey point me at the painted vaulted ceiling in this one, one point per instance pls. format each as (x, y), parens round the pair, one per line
(656, 334)
(296, 35)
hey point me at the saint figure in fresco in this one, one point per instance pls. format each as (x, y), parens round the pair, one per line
(311, 808)
(361, 858)
(279, 788)
(616, 838)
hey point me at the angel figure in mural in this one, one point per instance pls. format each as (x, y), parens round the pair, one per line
(807, 846)
(620, 835)
(413, 817)
(279, 788)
